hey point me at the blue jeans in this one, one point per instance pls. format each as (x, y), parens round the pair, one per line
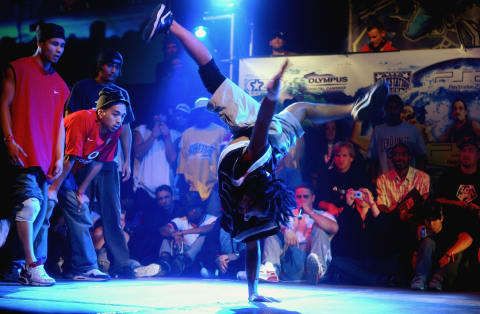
(105, 187)
(318, 243)
(427, 262)
(83, 256)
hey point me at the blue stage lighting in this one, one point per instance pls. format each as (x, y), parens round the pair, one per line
(224, 3)
(200, 31)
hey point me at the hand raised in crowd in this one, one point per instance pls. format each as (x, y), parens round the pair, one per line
(156, 130)
(222, 262)
(15, 153)
(367, 196)
(291, 238)
(164, 130)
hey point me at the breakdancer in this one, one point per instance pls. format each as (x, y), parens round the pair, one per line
(255, 204)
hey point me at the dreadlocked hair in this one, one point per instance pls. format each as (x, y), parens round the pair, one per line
(272, 195)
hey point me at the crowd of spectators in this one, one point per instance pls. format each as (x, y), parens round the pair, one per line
(379, 221)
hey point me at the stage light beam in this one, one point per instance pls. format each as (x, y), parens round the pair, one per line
(224, 3)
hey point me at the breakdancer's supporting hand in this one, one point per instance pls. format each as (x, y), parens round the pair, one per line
(263, 299)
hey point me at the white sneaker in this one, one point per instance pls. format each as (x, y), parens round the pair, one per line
(314, 270)
(91, 275)
(268, 272)
(35, 276)
(147, 271)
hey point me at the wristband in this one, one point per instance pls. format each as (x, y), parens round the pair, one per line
(8, 138)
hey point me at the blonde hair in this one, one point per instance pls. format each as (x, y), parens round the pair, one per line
(344, 144)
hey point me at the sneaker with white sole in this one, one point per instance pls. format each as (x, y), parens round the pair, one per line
(373, 101)
(35, 275)
(268, 272)
(159, 22)
(147, 271)
(314, 269)
(436, 283)
(418, 282)
(91, 275)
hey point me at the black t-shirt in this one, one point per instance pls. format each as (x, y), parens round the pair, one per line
(335, 184)
(84, 96)
(357, 238)
(455, 185)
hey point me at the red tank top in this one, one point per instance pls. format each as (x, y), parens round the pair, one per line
(37, 112)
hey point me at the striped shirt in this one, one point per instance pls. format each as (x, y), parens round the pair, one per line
(391, 189)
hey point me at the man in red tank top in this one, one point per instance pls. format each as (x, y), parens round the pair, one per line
(33, 133)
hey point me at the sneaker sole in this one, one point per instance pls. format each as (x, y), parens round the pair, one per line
(36, 284)
(147, 272)
(151, 27)
(375, 100)
(313, 269)
(82, 278)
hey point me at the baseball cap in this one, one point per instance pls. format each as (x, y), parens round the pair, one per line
(109, 55)
(184, 108)
(281, 35)
(200, 103)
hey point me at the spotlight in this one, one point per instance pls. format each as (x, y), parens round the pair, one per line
(224, 3)
(200, 31)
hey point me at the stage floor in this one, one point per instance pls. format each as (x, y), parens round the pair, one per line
(178, 295)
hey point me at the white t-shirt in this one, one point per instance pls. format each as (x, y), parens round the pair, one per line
(183, 224)
(303, 235)
(385, 137)
(153, 169)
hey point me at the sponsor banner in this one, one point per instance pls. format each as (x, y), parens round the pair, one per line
(429, 82)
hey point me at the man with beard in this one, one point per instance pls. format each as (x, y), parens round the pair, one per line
(459, 188)
(462, 127)
(392, 132)
(401, 194)
(32, 100)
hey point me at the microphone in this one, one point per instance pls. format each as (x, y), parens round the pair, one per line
(300, 213)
